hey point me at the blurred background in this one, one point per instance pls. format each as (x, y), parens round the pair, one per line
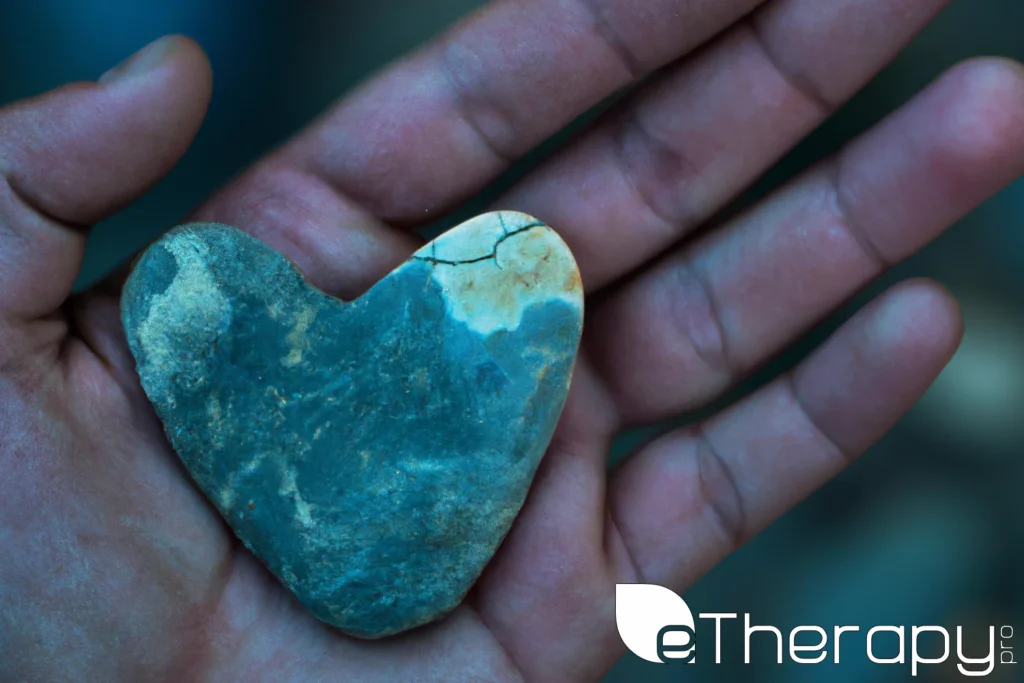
(926, 529)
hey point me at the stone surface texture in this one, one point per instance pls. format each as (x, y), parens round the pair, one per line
(373, 454)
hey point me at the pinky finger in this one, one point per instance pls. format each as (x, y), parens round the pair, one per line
(688, 499)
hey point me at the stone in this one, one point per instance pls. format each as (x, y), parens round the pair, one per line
(373, 454)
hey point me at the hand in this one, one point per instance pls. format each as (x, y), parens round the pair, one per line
(114, 568)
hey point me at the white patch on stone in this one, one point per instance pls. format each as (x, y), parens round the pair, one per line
(226, 498)
(289, 488)
(253, 463)
(192, 307)
(298, 342)
(494, 267)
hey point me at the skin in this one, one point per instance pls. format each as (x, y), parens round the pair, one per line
(115, 568)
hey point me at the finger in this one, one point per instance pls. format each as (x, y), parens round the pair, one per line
(444, 122)
(669, 158)
(685, 330)
(688, 499)
(80, 153)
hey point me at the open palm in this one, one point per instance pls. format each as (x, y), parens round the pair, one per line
(114, 568)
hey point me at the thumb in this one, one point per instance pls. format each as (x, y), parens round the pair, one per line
(80, 153)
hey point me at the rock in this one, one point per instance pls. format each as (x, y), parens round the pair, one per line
(373, 454)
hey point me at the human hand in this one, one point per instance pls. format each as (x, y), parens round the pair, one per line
(115, 568)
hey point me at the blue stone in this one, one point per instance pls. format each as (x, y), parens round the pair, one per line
(373, 454)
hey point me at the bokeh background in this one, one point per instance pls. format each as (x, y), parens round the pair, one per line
(925, 529)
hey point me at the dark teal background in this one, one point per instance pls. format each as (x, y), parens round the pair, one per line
(927, 528)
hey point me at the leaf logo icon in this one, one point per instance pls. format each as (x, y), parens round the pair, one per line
(648, 617)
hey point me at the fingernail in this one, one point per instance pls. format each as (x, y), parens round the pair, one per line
(141, 62)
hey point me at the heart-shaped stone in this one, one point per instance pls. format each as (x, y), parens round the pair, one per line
(374, 453)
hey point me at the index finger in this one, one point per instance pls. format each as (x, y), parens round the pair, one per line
(441, 124)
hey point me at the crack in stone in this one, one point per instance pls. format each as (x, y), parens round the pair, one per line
(433, 260)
